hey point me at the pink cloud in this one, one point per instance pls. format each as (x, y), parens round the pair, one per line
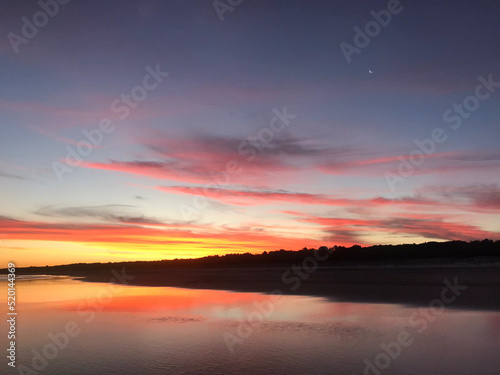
(432, 227)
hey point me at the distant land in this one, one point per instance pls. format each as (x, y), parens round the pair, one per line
(427, 253)
(410, 274)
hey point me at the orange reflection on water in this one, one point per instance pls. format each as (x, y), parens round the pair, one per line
(74, 295)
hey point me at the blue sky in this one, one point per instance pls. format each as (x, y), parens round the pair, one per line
(323, 179)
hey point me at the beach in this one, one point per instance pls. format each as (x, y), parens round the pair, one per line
(413, 286)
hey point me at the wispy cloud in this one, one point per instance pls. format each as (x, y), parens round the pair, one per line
(483, 196)
(178, 236)
(432, 228)
(108, 213)
(200, 159)
(267, 196)
(197, 159)
(12, 176)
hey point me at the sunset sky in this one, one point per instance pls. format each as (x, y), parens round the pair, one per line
(261, 137)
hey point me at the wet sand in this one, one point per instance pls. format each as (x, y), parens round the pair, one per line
(415, 286)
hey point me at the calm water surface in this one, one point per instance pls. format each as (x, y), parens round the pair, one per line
(158, 330)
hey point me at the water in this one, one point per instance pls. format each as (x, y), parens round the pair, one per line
(158, 330)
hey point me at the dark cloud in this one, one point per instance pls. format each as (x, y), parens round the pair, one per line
(12, 176)
(402, 225)
(485, 196)
(109, 213)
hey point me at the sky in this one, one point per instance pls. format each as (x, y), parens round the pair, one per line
(144, 129)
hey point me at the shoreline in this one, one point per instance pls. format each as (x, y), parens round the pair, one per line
(412, 286)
